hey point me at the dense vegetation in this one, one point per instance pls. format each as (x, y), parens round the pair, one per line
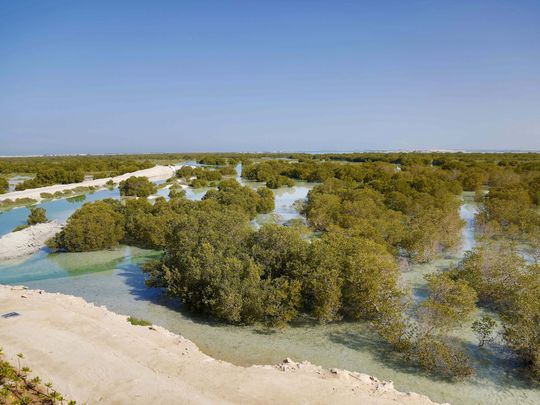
(50, 176)
(4, 185)
(198, 177)
(368, 212)
(137, 187)
(94, 226)
(104, 224)
(50, 170)
(509, 286)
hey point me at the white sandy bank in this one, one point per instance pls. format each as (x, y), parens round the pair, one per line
(95, 356)
(28, 241)
(154, 173)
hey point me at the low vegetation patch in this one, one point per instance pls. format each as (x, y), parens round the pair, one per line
(18, 388)
(9, 203)
(138, 321)
(20, 228)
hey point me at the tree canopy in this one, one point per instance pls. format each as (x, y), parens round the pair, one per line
(137, 187)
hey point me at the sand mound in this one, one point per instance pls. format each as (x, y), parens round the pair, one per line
(27, 241)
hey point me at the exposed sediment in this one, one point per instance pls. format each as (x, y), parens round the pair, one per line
(94, 355)
(25, 242)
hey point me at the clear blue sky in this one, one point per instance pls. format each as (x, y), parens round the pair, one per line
(164, 76)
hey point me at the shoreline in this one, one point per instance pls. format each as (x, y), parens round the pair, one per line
(157, 172)
(91, 354)
(23, 243)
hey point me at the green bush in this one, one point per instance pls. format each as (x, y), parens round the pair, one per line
(94, 226)
(4, 185)
(137, 186)
(37, 216)
(177, 193)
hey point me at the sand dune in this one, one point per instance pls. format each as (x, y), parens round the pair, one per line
(95, 356)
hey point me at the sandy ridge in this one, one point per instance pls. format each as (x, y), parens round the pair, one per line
(95, 356)
(27, 241)
(154, 173)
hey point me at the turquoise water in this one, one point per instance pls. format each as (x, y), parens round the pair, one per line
(59, 210)
(113, 278)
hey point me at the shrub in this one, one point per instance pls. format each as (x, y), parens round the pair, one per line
(137, 186)
(94, 226)
(4, 185)
(177, 193)
(37, 216)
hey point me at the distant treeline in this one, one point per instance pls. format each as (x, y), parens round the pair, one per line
(68, 169)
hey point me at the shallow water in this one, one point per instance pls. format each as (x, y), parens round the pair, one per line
(59, 210)
(114, 279)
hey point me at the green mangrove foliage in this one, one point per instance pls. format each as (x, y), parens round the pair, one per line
(412, 212)
(4, 185)
(367, 210)
(37, 215)
(450, 303)
(218, 265)
(95, 226)
(51, 170)
(9, 203)
(198, 177)
(230, 192)
(509, 212)
(47, 177)
(137, 187)
(510, 286)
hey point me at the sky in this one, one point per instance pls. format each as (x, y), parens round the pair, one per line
(184, 76)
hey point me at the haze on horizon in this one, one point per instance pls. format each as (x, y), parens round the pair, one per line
(165, 76)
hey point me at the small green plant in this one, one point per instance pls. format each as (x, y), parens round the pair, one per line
(20, 228)
(20, 356)
(483, 329)
(17, 388)
(138, 321)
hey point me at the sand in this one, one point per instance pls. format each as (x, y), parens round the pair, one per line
(154, 173)
(95, 356)
(22, 243)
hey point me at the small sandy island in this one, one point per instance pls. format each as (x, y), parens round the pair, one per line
(22, 243)
(93, 355)
(154, 173)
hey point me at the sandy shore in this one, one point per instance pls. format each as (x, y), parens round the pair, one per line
(154, 173)
(95, 356)
(28, 241)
